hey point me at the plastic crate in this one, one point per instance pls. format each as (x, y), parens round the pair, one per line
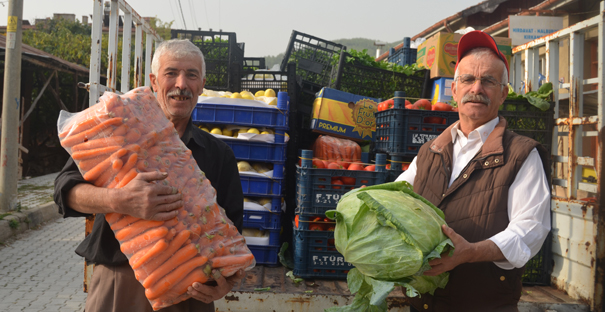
(316, 256)
(403, 56)
(401, 131)
(257, 186)
(273, 239)
(265, 254)
(378, 83)
(313, 58)
(315, 193)
(258, 80)
(258, 151)
(240, 115)
(265, 220)
(222, 54)
(253, 63)
(276, 204)
(526, 119)
(539, 268)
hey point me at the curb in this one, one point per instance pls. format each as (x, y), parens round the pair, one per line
(27, 219)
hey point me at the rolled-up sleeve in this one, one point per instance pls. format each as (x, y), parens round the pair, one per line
(69, 177)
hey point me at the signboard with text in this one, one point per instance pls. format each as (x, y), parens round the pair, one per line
(523, 29)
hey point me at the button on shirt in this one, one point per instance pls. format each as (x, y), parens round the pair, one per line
(528, 197)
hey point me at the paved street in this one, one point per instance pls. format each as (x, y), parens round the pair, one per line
(39, 270)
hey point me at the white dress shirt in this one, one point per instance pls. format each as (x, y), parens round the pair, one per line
(528, 198)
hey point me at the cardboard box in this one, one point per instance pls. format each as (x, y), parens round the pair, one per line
(442, 90)
(346, 115)
(438, 53)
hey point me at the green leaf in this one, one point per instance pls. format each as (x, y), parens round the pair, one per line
(294, 279)
(285, 256)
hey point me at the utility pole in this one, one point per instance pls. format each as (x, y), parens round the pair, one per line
(11, 102)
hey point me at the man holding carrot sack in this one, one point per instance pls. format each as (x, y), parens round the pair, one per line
(178, 77)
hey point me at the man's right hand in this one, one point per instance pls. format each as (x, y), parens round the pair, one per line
(145, 199)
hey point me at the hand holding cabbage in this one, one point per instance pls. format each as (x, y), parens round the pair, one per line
(389, 233)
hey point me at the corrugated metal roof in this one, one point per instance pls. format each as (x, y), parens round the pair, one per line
(46, 57)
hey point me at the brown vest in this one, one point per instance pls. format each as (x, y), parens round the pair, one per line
(476, 207)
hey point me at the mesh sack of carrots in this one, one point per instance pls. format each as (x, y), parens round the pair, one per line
(330, 148)
(114, 140)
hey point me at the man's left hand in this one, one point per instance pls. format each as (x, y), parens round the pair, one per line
(462, 252)
(207, 294)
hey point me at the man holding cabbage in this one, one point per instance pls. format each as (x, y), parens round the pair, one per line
(492, 186)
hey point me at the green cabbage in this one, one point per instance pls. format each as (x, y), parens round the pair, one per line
(389, 233)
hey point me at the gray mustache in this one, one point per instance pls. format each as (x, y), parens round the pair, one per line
(179, 92)
(476, 98)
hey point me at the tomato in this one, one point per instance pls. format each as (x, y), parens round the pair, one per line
(390, 103)
(423, 104)
(388, 166)
(331, 228)
(355, 166)
(347, 180)
(370, 168)
(315, 227)
(443, 107)
(318, 163)
(380, 106)
(405, 167)
(336, 182)
(434, 120)
(334, 165)
(343, 164)
(454, 109)
(407, 103)
(409, 106)
(296, 221)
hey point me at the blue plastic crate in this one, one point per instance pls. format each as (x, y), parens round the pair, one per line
(265, 220)
(265, 254)
(316, 256)
(274, 238)
(258, 151)
(240, 115)
(315, 193)
(258, 186)
(276, 203)
(401, 131)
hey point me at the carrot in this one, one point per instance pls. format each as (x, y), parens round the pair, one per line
(87, 123)
(178, 292)
(112, 218)
(133, 135)
(174, 277)
(159, 247)
(181, 256)
(171, 234)
(239, 260)
(82, 136)
(148, 139)
(95, 172)
(121, 130)
(141, 252)
(124, 222)
(155, 150)
(107, 176)
(153, 264)
(154, 161)
(99, 143)
(130, 163)
(143, 165)
(143, 240)
(127, 178)
(91, 153)
(196, 229)
(136, 229)
(172, 222)
(90, 163)
(135, 148)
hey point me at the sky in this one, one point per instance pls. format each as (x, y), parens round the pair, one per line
(265, 26)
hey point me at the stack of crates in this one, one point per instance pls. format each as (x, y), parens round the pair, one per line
(400, 132)
(315, 254)
(266, 190)
(403, 56)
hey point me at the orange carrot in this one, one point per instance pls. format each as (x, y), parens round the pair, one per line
(130, 163)
(153, 264)
(148, 139)
(124, 222)
(91, 153)
(143, 240)
(98, 143)
(181, 256)
(107, 176)
(82, 136)
(121, 130)
(127, 178)
(143, 165)
(135, 148)
(88, 164)
(87, 122)
(159, 247)
(240, 260)
(172, 222)
(174, 277)
(112, 218)
(195, 229)
(141, 252)
(178, 292)
(133, 135)
(136, 229)
(95, 172)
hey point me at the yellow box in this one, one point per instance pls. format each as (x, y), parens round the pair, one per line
(345, 115)
(439, 52)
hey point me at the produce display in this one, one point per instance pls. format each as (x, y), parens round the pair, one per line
(114, 140)
(267, 96)
(389, 233)
(422, 104)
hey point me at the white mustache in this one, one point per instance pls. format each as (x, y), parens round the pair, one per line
(179, 92)
(476, 98)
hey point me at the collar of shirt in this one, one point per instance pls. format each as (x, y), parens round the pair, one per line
(481, 132)
(190, 134)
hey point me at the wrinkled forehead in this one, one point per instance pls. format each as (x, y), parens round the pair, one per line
(484, 65)
(188, 63)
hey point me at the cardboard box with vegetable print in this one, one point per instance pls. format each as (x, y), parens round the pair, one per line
(344, 115)
(439, 52)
